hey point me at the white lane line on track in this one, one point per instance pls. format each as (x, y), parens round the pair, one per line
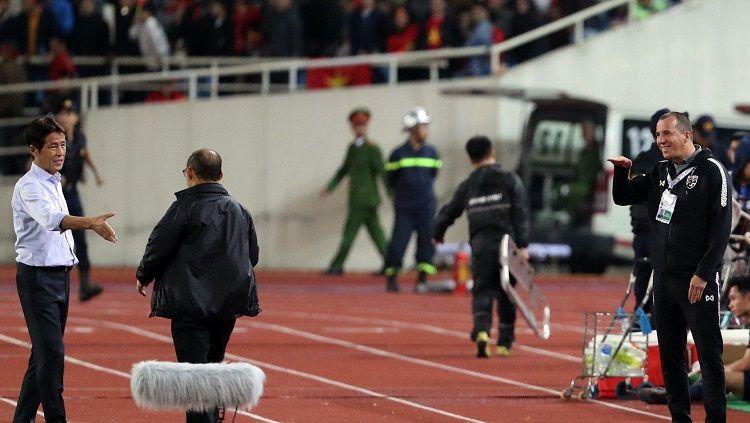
(426, 363)
(423, 327)
(155, 336)
(14, 404)
(96, 367)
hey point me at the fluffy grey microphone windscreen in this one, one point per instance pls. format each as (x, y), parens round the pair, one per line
(160, 385)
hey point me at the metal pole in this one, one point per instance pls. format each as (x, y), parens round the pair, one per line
(192, 87)
(214, 80)
(578, 32)
(84, 99)
(265, 81)
(392, 72)
(293, 77)
(115, 88)
(495, 59)
(434, 71)
(631, 10)
(94, 96)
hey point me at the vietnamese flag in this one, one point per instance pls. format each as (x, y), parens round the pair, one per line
(341, 76)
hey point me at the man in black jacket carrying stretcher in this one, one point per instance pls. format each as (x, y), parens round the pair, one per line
(689, 201)
(495, 202)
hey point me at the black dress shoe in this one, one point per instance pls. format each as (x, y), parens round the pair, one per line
(653, 395)
(332, 271)
(90, 293)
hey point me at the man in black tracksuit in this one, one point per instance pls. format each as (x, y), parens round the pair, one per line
(689, 197)
(640, 219)
(495, 202)
(202, 255)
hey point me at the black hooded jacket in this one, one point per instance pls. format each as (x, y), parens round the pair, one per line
(642, 164)
(202, 255)
(696, 237)
(495, 202)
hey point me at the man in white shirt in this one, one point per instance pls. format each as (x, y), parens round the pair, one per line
(151, 38)
(45, 249)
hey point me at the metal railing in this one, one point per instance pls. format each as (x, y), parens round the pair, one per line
(206, 81)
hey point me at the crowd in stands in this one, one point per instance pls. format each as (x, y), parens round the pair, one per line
(278, 28)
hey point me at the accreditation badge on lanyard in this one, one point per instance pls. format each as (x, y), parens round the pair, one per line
(669, 200)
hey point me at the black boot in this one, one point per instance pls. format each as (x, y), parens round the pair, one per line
(86, 290)
(506, 335)
(392, 284)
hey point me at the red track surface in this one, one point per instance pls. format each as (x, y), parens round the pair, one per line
(335, 350)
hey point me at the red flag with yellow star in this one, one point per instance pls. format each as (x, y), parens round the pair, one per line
(335, 77)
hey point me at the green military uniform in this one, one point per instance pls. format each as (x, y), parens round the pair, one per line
(364, 165)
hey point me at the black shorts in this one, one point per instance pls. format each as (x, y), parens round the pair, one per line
(746, 393)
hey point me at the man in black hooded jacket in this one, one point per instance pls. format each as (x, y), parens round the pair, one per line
(202, 255)
(689, 201)
(640, 219)
(495, 202)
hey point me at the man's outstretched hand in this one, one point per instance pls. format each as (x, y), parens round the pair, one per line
(101, 227)
(621, 161)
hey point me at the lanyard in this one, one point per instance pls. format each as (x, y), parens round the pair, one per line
(672, 182)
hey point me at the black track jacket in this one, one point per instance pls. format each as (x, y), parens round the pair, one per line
(697, 235)
(495, 203)
(202, 255)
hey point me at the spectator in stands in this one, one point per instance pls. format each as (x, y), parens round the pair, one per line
(481, 35)
(501, 14)
(124, 45)
(403, 32)
(705, 136)
(90, 33)
(440, 30)
(151, 39)
(11, 72)
(646, 8)
(170, 16)
(366, 27)
(193, 28)
(526, 18)
(61, 64)
(419, 10)
(323, 23)
(7, 21)
(220, 32)
(282, 30)
(62, 10)
(247, 20)
(169, 92)
(33, 29)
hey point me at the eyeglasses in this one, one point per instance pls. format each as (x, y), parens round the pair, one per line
(184, 171)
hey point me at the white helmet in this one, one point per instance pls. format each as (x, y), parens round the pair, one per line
(414, 117)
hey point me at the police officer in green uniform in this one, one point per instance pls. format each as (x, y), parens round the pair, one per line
(364, 165)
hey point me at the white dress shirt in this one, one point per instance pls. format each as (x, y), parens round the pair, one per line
(38, 210)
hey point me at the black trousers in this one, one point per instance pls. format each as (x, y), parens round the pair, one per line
(201, 342)
(75, 207)
(642, 270)
(674, 315)
(44, 294)
(485, 267)
(409, 220)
